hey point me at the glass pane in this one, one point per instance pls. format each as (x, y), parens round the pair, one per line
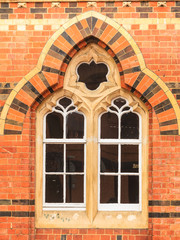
(129, 158)
(109, 158)
(129, 189)
(54, 157)
(92, 74)
(54, 189)
(119, 102)
(130, 126)
(75, 158)
(75, 125)
(54, 125)
(65, 102)
(108, 189)
(109, 125)
(74, 188)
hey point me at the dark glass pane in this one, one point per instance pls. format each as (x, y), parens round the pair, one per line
(119, 102)
(129, 158)
(129, 189)
(130, 126)
(108, 189)
(109, 158)
(65, 102)
(54, 125)
(75, 158)
(75, 125)
(74, 188)
(92, 74)
(109, 125)
(54, 189)
(54, 157)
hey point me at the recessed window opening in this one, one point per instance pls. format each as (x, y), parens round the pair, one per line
(64, 156)
(92, 74)
(119, 158)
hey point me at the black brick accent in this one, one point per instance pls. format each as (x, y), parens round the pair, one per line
(175, 9)
(159, 215)
(5, 214)
(144, 4)
(119, 237)
(73, 4)
(73, 10)
(11, 132)
(170, 132)
(132, 70)
(175, 203)
(144, 9)
(19, 106)
(4, 16)
(44, 80)
(144, 15)
(115, 38)
(175, 91)
(5, 5)
(170, 122)
(38, 10)
(109, 10)
(163, 106)
(139, 78)
(6, 10)
(48, 69)
(5, 91)
(13, 122)
(68, 38)
(63, 237)
(159, 203)
(175, 215)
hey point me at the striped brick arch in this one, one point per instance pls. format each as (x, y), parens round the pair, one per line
(49, 73)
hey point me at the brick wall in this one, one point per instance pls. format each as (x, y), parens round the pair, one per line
(23, 34)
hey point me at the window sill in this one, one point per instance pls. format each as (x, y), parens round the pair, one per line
(103, 219)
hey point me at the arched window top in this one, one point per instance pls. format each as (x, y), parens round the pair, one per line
(119, 122)
(65, 121)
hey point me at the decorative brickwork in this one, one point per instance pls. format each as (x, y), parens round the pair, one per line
(58, 53)
(24, 31)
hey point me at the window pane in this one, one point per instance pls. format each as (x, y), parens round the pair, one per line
(92, 74)
(54, 157)
(109, 158)
(54, 189)
(74, 188)
(129, 189)
(54, 125)
(119, 102)
(75, 158)
(65, 102)
(75, 125)
(108, 189)
(129, 158)
(130, 126)
(109, 125)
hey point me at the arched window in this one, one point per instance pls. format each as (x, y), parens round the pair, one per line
(91, 150)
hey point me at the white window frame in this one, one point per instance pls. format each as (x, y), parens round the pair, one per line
(120, 206)
(64, 141)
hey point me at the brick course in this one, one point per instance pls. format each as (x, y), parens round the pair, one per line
(156, 31)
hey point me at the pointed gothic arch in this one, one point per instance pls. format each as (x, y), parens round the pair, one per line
(49, 73)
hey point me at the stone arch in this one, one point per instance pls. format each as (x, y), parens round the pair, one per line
(49, 73)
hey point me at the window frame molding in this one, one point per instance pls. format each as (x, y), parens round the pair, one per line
(91, 104)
